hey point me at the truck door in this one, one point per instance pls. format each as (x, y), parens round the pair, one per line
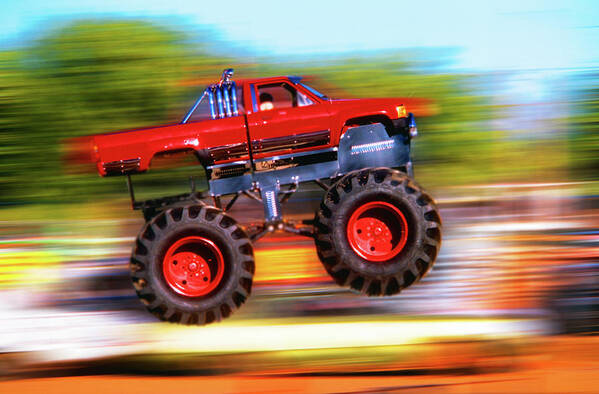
(286, 118)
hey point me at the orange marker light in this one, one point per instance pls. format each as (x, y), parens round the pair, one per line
(401, 111)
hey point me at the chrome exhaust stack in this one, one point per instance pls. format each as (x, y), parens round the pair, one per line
(211, 102)
(234, 98)
(222, 98)
(219, 101)
(226, 89)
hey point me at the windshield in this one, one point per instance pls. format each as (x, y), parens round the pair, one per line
(315, 92)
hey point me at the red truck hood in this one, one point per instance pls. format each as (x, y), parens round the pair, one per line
(418, 106)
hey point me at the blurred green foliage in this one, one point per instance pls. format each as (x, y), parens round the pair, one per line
(98, 76)
(81, 79)
(584, 139)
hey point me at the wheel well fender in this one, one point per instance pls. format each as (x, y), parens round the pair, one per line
(371, 145)
(201, 156)
(369, 119)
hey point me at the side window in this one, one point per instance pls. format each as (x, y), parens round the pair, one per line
(240, 108)
(303, 100)
(281, 95)
(277, 95)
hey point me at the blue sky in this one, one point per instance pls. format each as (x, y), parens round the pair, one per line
(487, 35)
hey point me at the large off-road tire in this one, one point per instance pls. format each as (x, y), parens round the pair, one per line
(192, 265)
(377, 231)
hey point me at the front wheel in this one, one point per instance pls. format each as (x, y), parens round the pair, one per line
(192, 265)
(377, 231)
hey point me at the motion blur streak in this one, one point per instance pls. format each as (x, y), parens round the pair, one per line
(512, 304)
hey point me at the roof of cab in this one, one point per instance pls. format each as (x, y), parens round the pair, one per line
(293, 79)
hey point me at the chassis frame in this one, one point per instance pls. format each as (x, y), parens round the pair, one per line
(367, 146)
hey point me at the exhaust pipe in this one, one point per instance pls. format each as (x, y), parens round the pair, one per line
(234, 98)
(219, 102)
(226, 98)
(222, 98)
(211, 102)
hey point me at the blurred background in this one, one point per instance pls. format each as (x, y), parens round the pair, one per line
(510, 149)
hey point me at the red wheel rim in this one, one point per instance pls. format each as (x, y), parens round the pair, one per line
(193, 266)
(377, 231)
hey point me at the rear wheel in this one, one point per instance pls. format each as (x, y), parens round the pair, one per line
(192, 265)
(377, 231)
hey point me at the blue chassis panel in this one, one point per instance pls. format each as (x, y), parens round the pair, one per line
(360, 147)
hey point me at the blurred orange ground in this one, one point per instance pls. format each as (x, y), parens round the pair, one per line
(566, 365)
(565, 380)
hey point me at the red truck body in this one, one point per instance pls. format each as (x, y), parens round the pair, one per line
(272, 132)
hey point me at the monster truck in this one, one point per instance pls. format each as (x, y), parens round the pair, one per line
(376, 231)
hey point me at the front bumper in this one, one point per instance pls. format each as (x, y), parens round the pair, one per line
(406, 126)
